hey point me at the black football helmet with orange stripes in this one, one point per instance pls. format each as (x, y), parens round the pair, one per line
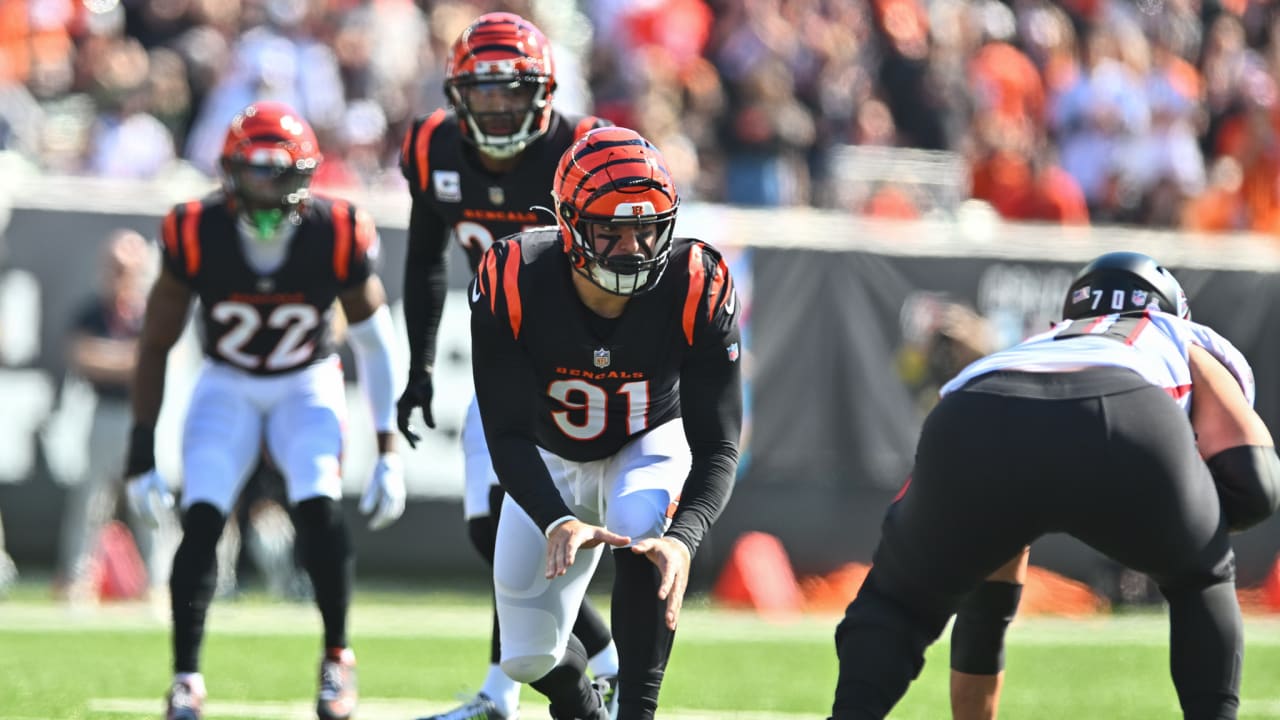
(500, 79)
(1124, 282)
(612, 187)
(268, 158)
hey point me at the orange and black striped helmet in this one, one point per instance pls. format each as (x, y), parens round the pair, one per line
(268, 157)
(612, 181)
(505, 55)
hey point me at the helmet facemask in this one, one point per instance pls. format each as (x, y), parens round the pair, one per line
(502, 113)
(269, 186)
(500, 78)
(268, 158)
(596, 240)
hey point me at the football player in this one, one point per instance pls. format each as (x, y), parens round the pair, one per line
(1127, 426)
(266, 260)
(475, 173)
(606, 361)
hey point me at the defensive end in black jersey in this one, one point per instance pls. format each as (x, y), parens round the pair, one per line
(606, 357)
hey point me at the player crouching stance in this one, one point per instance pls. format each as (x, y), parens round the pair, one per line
(266, 261)
(605, 355)
(1126, 426)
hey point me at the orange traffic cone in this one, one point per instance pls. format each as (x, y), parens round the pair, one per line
(121, 572)
(1271, 587)
(758, 575)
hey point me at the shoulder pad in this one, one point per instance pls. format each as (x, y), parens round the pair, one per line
(497, 284)
(711, 293)
(415, 150)
(180, 237)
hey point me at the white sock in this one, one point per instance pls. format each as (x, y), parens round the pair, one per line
(502, 690)
(604, 662)
(194, 680)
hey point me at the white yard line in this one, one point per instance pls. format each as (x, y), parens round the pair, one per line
(473, 621)
(370, 709)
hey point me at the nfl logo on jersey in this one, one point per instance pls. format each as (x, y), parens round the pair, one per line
(601, 357)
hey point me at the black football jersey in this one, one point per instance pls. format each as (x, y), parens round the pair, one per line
(603, 382)
(268, 323)
(478, 206)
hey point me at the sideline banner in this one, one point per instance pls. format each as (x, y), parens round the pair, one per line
(838, 350)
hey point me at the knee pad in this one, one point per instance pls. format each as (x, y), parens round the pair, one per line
(977, 637)
(528, 668)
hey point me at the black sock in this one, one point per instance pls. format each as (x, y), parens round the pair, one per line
(567, 685)
(330, 562)
(640, 630)
(591, 629)
(192, 582)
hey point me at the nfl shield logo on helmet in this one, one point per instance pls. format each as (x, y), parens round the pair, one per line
(732, 350)
(1140, 298)
(601, 357)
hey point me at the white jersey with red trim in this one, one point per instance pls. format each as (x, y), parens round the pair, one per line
(1155, 345)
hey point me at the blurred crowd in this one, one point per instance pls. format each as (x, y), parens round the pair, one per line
(1163, 113)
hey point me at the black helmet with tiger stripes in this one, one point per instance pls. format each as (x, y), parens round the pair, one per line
(1124, 282)
(612, 182)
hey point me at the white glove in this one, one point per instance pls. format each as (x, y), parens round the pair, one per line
(149, 497)
(384, 497)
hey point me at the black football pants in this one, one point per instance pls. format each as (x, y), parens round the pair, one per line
(1098, 454)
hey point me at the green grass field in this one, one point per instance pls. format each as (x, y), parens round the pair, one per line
(418, 651)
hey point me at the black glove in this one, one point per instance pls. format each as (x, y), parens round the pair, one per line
(417, 394)
(142, 451)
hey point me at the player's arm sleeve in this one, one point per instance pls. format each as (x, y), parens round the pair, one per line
(371, 336)
(425, 284)
(506, 390)
(711, 403)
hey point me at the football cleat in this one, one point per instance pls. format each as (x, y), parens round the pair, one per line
(337, 697)
(608, 687)
(480, 707)
(183, 702)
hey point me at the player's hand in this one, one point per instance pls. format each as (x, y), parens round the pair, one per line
(149, 497)
(417, 394)
(383, 499)
(568, 537)
(673, 559)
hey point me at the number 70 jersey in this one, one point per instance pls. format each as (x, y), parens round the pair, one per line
(268, 323)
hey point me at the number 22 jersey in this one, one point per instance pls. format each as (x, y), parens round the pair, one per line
(274, 322)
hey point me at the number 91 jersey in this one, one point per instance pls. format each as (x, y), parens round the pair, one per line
(600, 383)
(273, 322)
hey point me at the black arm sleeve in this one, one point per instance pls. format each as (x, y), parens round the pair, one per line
(711, 403)
(506, 390)
(425, 284)
(1247, 478)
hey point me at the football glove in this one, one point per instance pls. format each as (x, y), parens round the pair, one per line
(149, 497)
(383, 499)
(417, 394)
